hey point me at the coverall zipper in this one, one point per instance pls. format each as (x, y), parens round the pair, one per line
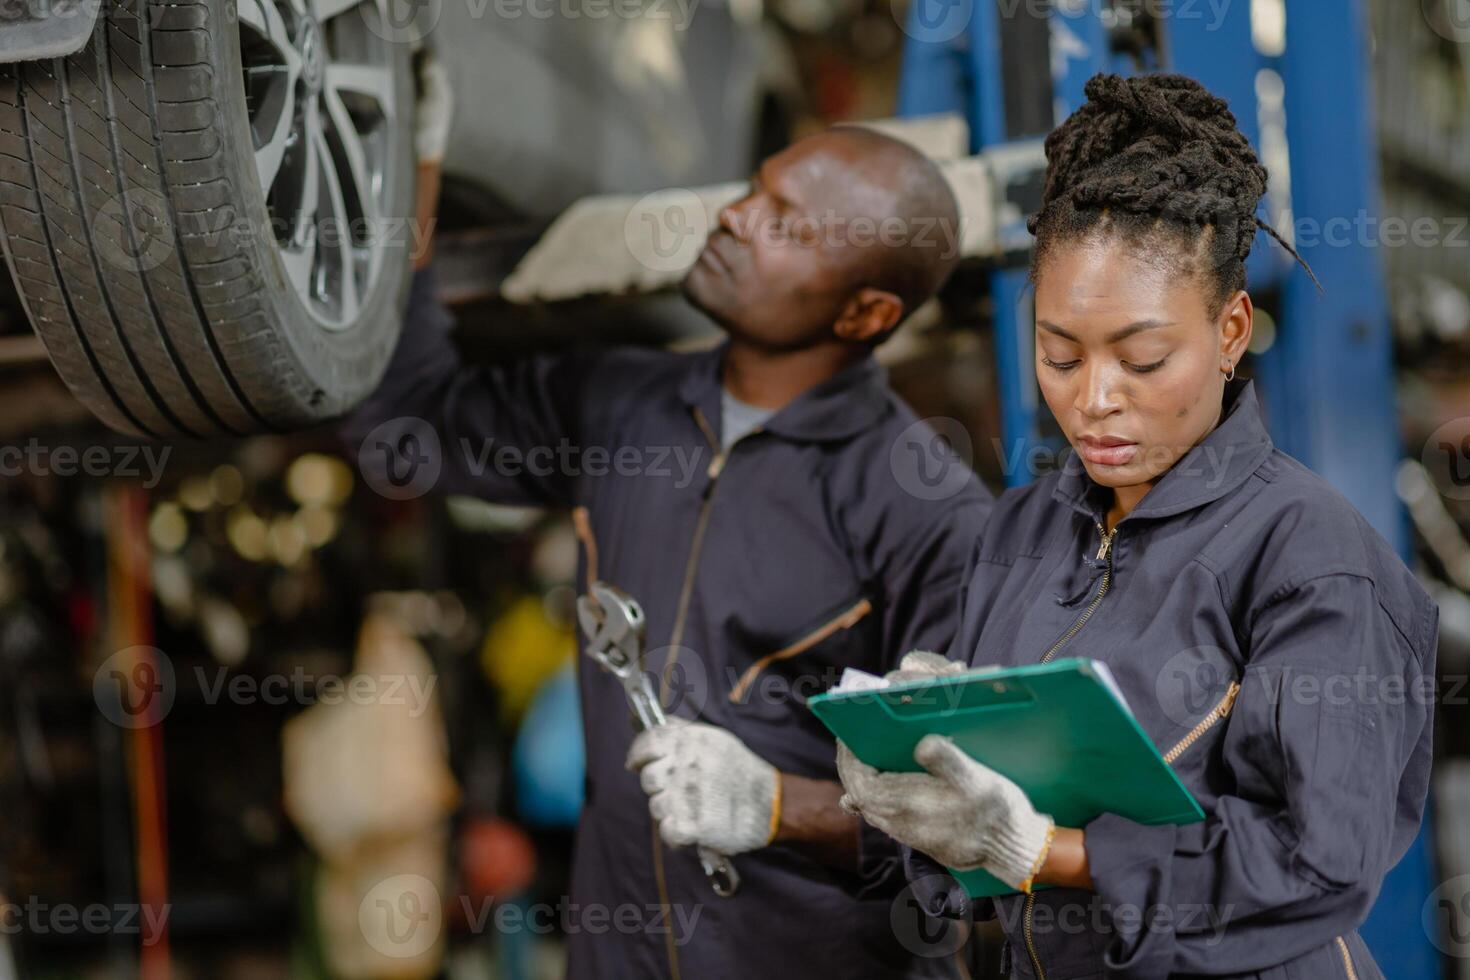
(686, 593)
(1220, 710)
(846, 619)
(1347, 959)
(1104, 552)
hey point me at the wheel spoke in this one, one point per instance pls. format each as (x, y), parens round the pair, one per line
(361, 184)
(325, 9)
(252, 16)
(299, 260)
(269, 156)
(341, 239)
(374, 81)
(321, 127)
(262, 17)
(306, 228)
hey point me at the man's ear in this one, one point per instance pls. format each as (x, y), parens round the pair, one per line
(868, 315)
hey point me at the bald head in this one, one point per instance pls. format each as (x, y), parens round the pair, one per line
(908, 193)
(842, 235)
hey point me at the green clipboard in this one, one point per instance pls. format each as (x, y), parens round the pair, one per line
(1057, 729)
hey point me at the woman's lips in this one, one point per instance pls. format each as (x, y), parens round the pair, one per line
(1107, 450)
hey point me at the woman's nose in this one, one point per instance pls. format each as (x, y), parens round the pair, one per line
(1098, 396)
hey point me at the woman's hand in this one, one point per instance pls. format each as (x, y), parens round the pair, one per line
(918, 665)
(961, 813)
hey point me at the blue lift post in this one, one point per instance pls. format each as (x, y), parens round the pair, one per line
(1327, 380)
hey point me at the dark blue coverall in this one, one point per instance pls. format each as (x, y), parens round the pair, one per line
(768, 570)
(1280, 656)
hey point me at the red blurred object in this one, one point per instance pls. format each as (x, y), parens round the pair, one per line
(496, 859)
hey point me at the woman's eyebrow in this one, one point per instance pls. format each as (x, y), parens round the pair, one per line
(1120, 334)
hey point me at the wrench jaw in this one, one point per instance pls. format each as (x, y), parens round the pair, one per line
(723, 877)
(614, 626)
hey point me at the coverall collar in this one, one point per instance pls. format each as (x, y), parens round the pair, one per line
(844, 405)
(1219, 463)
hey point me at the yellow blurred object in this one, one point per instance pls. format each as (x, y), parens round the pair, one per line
(522, 649)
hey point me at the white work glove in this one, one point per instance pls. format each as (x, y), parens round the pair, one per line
(434, 110)
(960, 812)
(919, 664)
(706, 787)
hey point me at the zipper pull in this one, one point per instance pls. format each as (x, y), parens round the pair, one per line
(715, 466)
(1107, 543)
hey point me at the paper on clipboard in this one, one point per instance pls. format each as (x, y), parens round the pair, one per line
(854, 680)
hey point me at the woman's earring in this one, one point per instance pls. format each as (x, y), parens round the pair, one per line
(1230, 374)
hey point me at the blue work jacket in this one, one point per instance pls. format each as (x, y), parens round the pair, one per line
(832, 536)
(1281, 658)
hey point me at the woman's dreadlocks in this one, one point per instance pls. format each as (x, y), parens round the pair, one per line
(1160, 161)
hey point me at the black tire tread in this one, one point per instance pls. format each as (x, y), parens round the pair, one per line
(170, 348)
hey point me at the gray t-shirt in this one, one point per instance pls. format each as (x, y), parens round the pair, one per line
(738, 418)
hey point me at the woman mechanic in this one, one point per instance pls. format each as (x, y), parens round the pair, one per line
(1183, 546)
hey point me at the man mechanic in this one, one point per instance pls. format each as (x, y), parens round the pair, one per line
(791, 551)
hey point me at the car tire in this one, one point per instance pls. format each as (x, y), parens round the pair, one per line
(156, 215)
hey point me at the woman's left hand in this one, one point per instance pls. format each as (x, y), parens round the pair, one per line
(959, 812)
